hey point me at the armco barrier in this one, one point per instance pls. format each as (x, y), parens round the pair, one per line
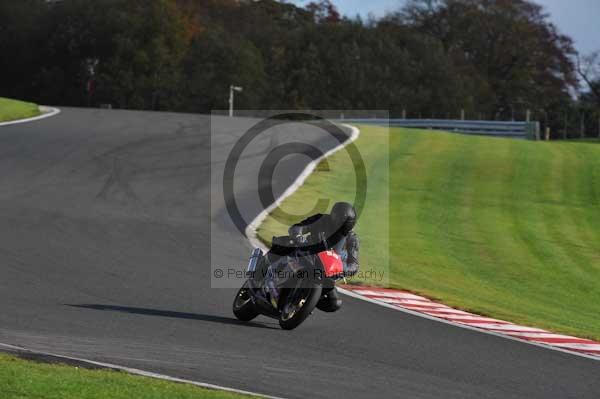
(522, 130)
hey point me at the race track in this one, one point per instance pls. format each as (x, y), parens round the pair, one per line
(104, 236)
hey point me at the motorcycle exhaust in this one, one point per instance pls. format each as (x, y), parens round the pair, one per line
(253, 262)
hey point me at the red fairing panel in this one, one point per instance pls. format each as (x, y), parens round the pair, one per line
(332, 263)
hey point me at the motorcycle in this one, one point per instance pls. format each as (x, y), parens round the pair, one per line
(287, 284)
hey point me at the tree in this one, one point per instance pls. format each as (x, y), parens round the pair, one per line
(431, 58)
(510, 44)
(324, 11)
(215, 61)
(22, 31)
(588, 68)
(136, 47)
(142, 68)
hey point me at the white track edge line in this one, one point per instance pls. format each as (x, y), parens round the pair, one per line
(141, 373)
(251, 228)
(47, 112)
(255, 242)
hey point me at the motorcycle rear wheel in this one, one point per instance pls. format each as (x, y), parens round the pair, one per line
(243, 307)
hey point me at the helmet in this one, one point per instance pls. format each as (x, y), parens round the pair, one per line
(343, 216)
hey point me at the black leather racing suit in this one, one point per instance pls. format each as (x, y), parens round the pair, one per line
(345, 244)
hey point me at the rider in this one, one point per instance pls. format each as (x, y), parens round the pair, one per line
(336, 227)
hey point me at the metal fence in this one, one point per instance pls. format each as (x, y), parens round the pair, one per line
(521, 130)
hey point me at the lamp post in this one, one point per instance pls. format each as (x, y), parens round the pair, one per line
(233, 89)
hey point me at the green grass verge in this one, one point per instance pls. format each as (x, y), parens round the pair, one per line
(500, 227)
(20, 379)
(13, 109)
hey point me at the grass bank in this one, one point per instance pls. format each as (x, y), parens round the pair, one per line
(13, 110)
(500, 227)
(20, 379)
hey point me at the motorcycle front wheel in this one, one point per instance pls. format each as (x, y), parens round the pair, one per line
(243, 307)
(299, 303)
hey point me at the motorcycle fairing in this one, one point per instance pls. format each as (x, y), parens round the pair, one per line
(332, 263)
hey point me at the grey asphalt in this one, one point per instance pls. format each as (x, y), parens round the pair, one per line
(105, 224)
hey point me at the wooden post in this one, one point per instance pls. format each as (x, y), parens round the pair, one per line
(462, 114)
(547, 136)
(537, 131)
(403, 113)
(528, 116)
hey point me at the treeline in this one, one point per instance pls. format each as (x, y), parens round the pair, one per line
(432, 58)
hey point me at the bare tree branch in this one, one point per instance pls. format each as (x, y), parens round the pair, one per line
(588, 67)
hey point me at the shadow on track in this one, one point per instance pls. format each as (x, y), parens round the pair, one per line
(169, 313)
